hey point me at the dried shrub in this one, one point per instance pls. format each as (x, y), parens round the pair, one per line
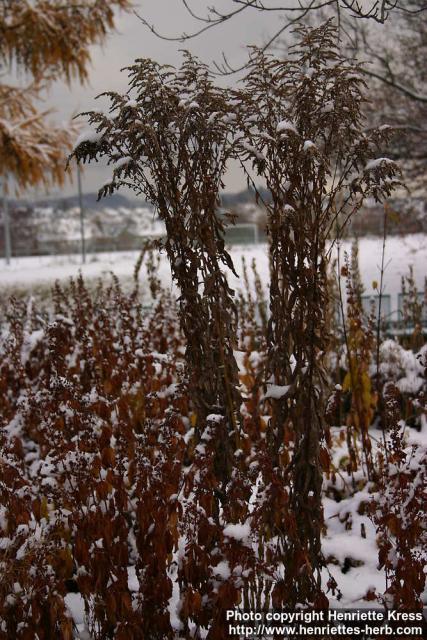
(92, 451)
(398, 511)
(358, 389)
(169, 138)
(301, 126)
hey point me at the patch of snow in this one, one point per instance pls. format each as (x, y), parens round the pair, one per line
(240, 532)
(276, 391)
(248, 147)
(286, 125)
(87, 136)
(308, 144)
(222, 570)
(122, 162)
(377, 162)
(75, 605)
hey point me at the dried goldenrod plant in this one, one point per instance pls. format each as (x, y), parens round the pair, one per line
(169, 139)
(301, 127)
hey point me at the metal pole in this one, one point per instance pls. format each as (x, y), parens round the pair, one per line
(6, 222)
(82, 227)
(82, 220)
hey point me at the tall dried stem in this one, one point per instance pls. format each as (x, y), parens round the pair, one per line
(302, 128)
(169, 139)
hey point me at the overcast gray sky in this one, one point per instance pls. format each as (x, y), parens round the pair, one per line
(133, 40)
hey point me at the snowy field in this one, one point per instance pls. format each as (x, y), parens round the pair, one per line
(401, 252)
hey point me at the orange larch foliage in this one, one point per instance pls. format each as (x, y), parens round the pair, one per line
(47, 40)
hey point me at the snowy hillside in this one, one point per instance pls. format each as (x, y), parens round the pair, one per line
(52, 230)
(109, 222)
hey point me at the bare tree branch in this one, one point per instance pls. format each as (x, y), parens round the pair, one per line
(379, 12)
(409, 93)
(294, 11)
(209, 21)
(227, 69)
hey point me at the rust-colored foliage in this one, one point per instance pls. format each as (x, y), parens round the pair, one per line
(170, 138)
(100, 408)
(398, 510)
(48, 40)
(357, 383)
(101, 471)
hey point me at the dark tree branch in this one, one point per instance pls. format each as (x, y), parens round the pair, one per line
(209, 22)
(379, 12)
(409, 93)
(227, 69)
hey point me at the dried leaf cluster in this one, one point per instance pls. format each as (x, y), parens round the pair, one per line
(47, 40)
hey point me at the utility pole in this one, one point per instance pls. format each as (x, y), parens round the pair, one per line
(6, 221)
(82, 220)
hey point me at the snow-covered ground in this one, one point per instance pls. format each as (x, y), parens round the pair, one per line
(400, 253)
(27, 272)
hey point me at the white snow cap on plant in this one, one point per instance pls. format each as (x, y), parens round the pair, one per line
(212, 117)
(222, 570)
(87, 136)
(253, 150)
(122, 161)
(286, 125)
(373, 164)
(309, 144)
(229, 117)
